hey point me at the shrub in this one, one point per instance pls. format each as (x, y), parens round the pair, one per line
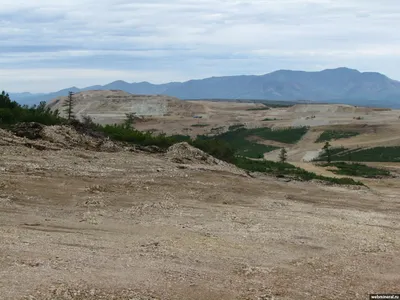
(236, 126)
(258, 108)
(357, 169)
(377, 154)
(329, 135)
(286, 169)
(11, 113)
(200, 125)
(216, 148)
(241, 146)
(287, 135)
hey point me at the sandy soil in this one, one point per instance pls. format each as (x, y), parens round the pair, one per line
(78, 224)
(173, 116)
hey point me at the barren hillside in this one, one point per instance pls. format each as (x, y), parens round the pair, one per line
(108, 107)
(94, 224)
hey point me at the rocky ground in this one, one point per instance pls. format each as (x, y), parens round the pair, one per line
(120, 223)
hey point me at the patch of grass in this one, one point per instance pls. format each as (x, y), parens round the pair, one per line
(238, 136)
(236, 126)
(278, 104)
(180, 138)
(241, 146)
(357, 169)
(200, 125)
(253, 150)
(287, 135)
(258, 108)
(268, 119)
(377, 154)
(329, 135)
(286, 169)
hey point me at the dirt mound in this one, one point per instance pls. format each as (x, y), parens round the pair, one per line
(5, 135)
(57, 136)
(327, 108)
(185, 154)
(7, 138)
(193, 158)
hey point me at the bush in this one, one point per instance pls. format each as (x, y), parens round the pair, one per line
(357, 169)
(288, 135)
(216, 148)
(377, 154)
(258, 108)
(329, 135)
(240, 145)
(200, 125)
(11, 113)
(126, 134)
(236, 126)
(286, 169)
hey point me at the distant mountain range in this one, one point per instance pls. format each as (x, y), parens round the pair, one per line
(341, 85)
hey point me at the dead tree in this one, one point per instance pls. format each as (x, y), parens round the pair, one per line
(69, 106)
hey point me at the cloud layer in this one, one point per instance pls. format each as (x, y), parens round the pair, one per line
(48, 45)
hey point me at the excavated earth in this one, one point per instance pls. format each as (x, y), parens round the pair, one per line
(82, 222)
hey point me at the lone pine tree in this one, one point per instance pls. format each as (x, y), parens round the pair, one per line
(327, 149)
(283, 155)
(69, 106)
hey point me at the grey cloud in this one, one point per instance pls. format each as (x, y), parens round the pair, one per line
(207, 37)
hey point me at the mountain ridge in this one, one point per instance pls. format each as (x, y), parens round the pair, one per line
(342, 84)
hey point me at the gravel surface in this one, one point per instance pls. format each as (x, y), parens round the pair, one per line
(80, 224)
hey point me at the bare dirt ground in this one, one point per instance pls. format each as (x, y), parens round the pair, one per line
(80, 224)
(173, 116)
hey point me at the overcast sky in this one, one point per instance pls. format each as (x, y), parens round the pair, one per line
(47, 45)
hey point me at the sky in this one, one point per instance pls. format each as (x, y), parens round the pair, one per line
(48, 45)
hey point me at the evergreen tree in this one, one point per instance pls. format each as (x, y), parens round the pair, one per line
(283, 155)
(327, 149)
(69, 106)
(130, 120)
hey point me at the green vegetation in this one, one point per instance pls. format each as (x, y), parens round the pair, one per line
(377, 154)
(268, 119)
(286, 169)
(258, 108)
(131, 119)
(277, 104)
(216, 148)
(69, 106)
(126, 134)
(231, 146)
(327, 152)
(238, 138)
(329, 135)
(200, 125)
(236, 126)
(286, 135)
(283, 155)
(240, 145)
(181, 138)
(356, 169)
(11, 113)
